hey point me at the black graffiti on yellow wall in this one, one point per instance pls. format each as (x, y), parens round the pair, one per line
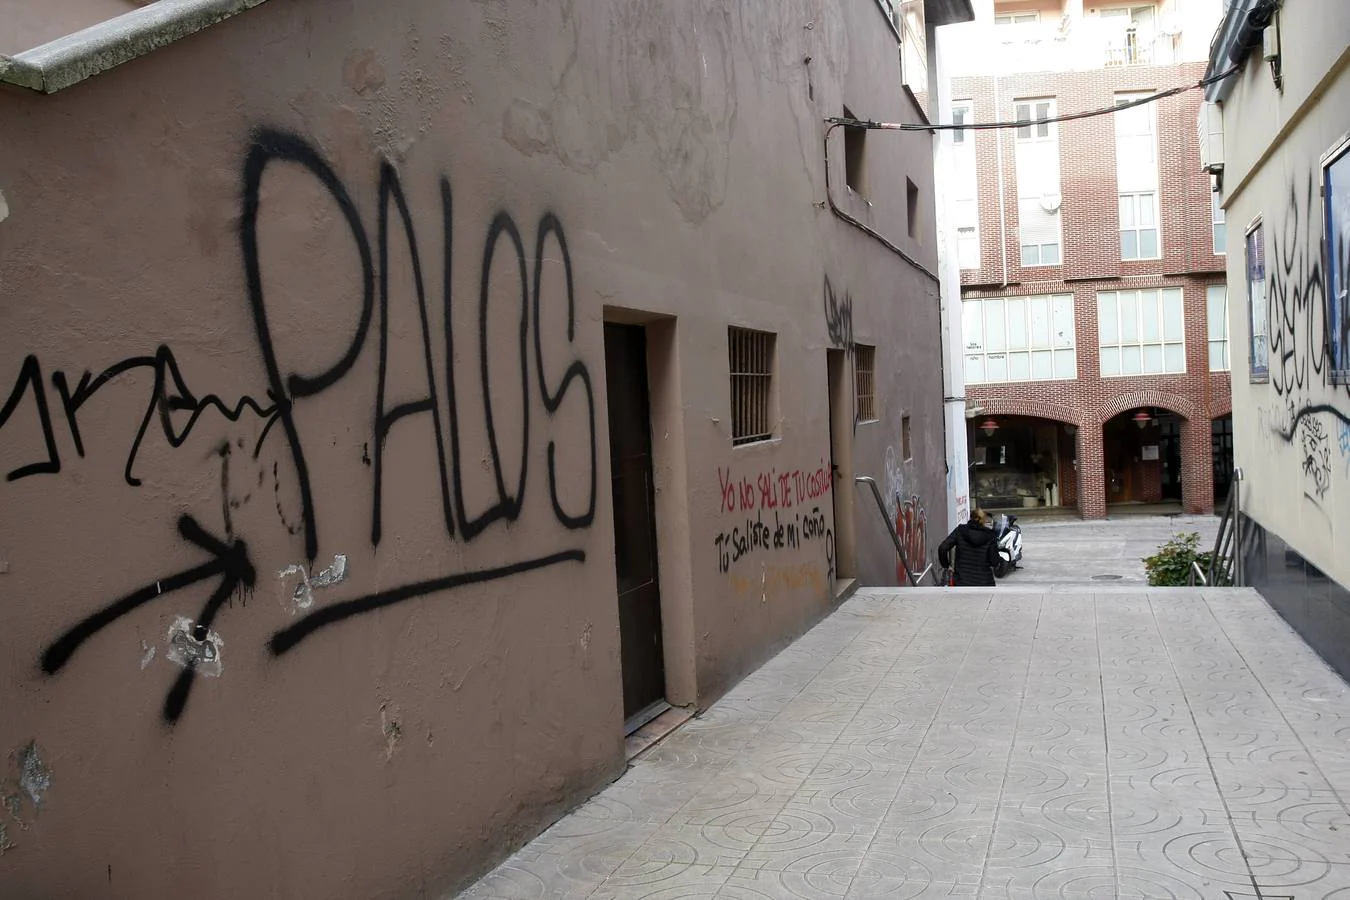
(288, 386)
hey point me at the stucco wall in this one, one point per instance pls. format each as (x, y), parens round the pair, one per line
(1291, 430)
(236, 279)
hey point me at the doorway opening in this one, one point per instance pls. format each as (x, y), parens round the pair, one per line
(1141, 453)
(641, 644)
(841, 388)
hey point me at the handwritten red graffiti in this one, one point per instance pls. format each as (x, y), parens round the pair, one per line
(911, 524)
(773, 489)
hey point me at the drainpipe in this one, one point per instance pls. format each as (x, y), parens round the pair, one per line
(1002, 203)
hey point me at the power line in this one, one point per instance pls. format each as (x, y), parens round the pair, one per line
(1067, 117)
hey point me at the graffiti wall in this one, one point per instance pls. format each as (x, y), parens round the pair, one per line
(306, 503)
(1292, 339)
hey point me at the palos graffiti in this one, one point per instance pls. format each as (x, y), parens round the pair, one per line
(228, 560)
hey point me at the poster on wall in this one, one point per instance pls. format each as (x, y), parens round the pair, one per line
(1150, 453)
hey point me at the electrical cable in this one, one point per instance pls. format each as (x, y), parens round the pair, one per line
(1067, 117)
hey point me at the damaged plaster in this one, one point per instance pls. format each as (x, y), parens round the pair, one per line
(302, 596)
(185, 650)
(35, 778)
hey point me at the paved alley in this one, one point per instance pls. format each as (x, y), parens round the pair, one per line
(1040, 743)
(1070, 550)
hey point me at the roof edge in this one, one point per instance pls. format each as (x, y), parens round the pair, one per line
(85, 53)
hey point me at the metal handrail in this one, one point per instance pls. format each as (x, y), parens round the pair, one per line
(1197, 574)
(895, 536)
(1225, 562)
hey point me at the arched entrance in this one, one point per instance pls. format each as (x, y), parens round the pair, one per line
(1142, 457)
(1021, 462)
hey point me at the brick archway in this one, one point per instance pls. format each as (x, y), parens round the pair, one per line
(1222, 407)
(1114, 406)
(1038, 409)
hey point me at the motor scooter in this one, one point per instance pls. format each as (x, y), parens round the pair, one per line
(1009, 536)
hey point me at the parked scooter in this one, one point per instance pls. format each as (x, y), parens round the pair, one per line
(1009, 536)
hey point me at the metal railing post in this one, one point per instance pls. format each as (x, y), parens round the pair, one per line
(1239, 576)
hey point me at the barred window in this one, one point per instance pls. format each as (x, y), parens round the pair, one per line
(752, 358)
(865, 382)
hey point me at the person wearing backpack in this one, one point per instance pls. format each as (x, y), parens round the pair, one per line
(976, 552)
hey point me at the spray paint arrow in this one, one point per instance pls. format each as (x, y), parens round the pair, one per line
(229, 561)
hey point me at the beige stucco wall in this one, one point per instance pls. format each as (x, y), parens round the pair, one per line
(215, 232)
(1292, 431)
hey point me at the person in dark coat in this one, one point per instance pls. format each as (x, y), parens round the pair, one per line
(976, 552)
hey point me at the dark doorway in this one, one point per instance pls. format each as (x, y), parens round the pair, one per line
(630, 457)
(1221, 436)
(1169, 453)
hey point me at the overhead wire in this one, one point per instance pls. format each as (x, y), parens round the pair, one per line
(1023, 123)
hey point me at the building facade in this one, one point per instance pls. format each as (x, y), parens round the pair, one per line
(1282, 166)
(404, 401)
(1092, 305)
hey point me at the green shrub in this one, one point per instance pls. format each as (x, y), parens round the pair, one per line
(1171, 565)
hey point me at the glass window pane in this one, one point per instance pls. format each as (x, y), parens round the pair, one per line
(1129, 245)
(1218, 353)
(996, 369)
(1050, 254)
(1216, 311)
(1031, 255)
(1108, 319)
(1221, 239)
(974, 369)
(1110, 361)
(1016, 309)
(1130, 361)
(1126, 210)
(1146, 216)
(1175, 357)
(1173, 315)
(1149, 318)
(1040, 322)
(1023, 112)
(1066, 364)
(972, 324)
(1042, 365)
(1148, 243)
(1129, 318)
(1019, 367)
(1042, 111)
(995, 328)
(1061, 321)
(1153, 359)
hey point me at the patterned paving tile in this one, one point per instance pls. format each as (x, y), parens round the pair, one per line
(1025, 744)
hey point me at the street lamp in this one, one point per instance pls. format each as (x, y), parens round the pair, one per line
(1142, 418)
(989, 426)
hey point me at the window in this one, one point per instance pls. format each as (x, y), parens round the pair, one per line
(965, 189)
(1038, 197)
(962, 114)
(912, 207)
(914, 50)
(906, 453)
(752, 359)
(1256, 303)
(1141, 332)
(1030, 18)
(865, 382)
(1139, 226)
(1133, 44)
(1019, 339)
(967, 246)
(854, 138)
(1037, 128)
(1216, 311)
(1336, 200)
(1137, 178)
(1220, 225)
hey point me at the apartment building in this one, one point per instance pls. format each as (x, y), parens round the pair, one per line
(1092, 340)
(1279, 153)
(407, 402)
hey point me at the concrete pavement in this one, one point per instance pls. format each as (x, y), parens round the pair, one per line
(1050, 742)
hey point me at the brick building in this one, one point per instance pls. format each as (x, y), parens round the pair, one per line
(1093, 307)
